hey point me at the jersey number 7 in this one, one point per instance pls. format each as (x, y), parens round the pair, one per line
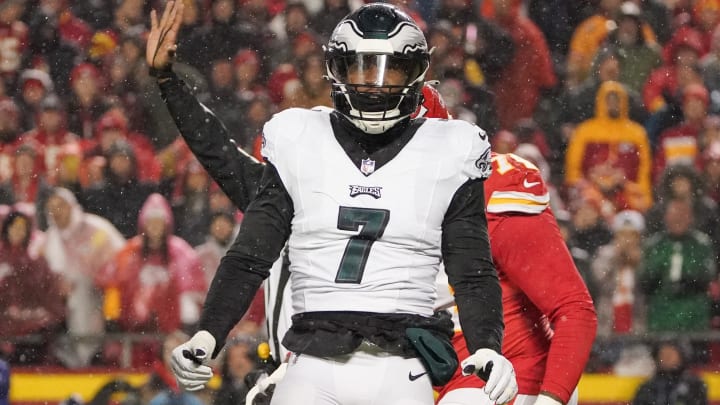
(371, 224)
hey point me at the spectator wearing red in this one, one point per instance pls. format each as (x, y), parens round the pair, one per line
(73, 30)
(31, 296)
(13, 37)
(287, 26)
(612, 152)
(286, 74)
(246, 69)
(530, 71)
(87, 101)
(706, 17)
(310, 89)
(113, 127)
(681, 144)
(27, 180)
(34, 86)
(50, 134)
(158, 275)
(680, 58)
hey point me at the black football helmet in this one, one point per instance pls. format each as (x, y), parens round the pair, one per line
(377, 58)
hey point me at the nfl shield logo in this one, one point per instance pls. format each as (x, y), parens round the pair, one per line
(367, 166)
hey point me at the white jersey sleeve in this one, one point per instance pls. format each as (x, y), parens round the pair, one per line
(477, 164)
(278, 133)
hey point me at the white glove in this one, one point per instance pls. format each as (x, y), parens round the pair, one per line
(501, 385)
(263, 383)
(546, 400)
(188, 361)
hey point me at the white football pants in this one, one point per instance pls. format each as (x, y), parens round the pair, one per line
(364, 377)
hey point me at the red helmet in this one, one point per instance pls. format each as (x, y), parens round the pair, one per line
(432, 105)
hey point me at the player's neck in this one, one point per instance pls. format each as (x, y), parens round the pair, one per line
(372, 142)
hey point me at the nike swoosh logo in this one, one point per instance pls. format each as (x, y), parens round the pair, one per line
(528, 184)
(415, 377)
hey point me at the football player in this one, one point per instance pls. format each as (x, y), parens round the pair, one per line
(507, 196)
(550, 320)
(405, 196)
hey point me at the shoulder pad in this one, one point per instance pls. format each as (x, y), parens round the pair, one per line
(515, 185)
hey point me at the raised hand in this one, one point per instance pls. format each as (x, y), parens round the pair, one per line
(161, 45)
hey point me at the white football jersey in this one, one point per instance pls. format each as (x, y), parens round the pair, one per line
(368, 238)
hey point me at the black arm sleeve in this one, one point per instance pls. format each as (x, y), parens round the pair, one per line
(470, 270)
(236, 172)
(265, 229)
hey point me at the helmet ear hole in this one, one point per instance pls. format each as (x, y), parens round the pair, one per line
(376, 59)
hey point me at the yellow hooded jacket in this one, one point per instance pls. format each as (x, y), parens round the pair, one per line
(619, 141)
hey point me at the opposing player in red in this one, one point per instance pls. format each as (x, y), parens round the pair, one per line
(549, 315)
(550, 319)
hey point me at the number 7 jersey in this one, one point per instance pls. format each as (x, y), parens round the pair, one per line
(367, 236)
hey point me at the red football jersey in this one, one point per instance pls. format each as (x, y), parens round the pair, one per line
(540, 285)
(432, 105)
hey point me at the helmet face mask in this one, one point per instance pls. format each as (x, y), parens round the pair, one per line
(377, 58)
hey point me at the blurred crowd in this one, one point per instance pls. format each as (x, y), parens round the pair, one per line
(109, 224)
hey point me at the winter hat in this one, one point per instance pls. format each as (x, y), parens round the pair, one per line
(629, 219)
(84, 70)
(111, 120)
(630, 9)
(36, 77)
(246, 56)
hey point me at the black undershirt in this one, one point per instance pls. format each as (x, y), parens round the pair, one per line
(381, 148)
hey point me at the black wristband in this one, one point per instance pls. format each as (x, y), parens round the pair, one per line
(164, 73)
